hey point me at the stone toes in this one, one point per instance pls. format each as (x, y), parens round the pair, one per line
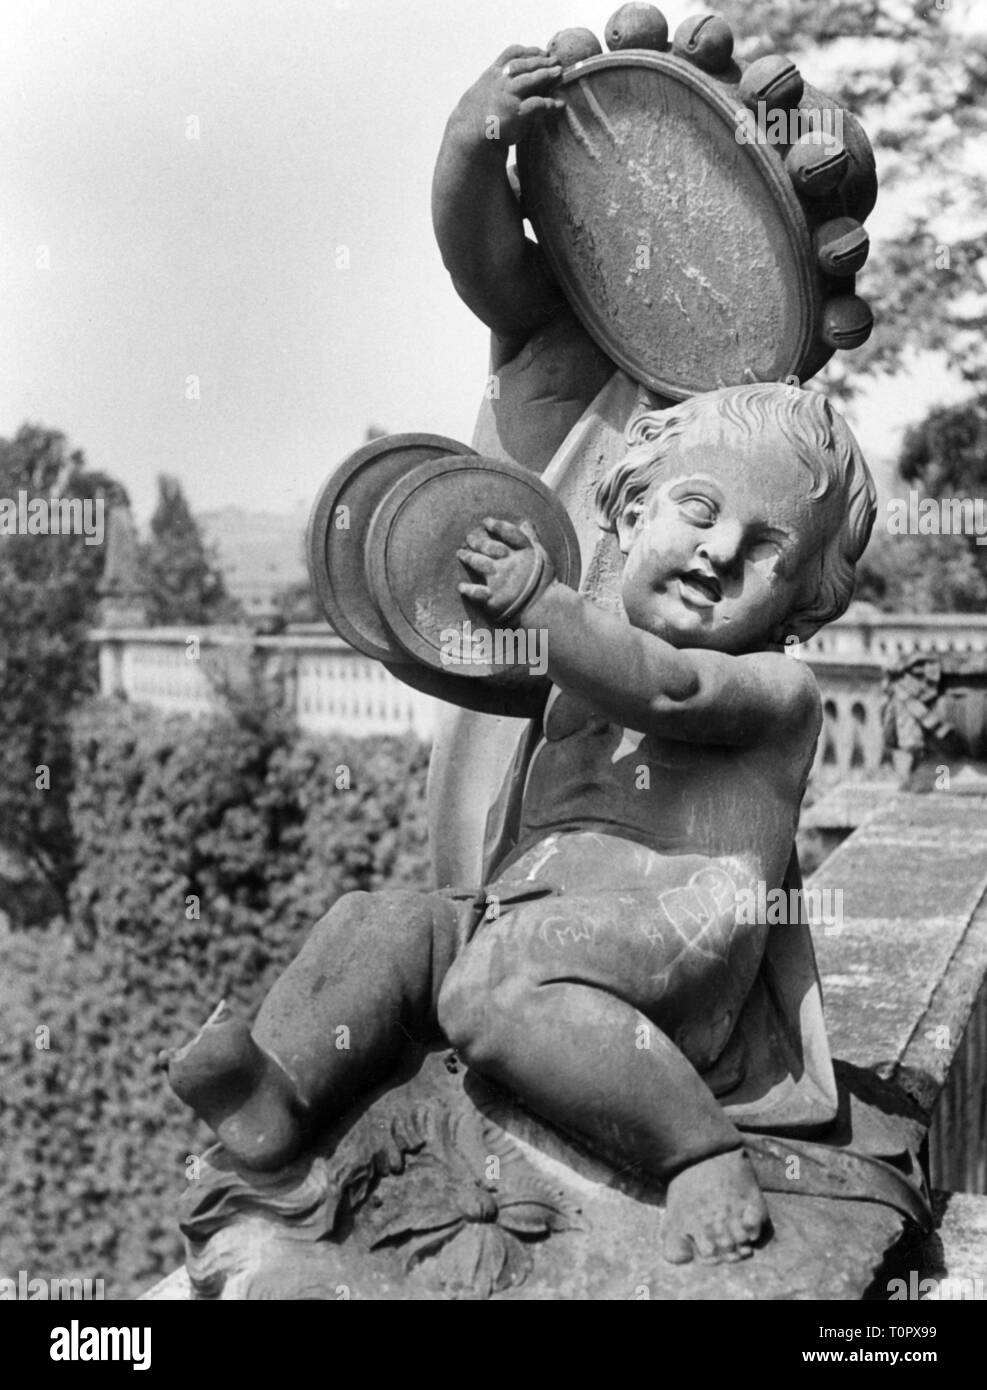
(719, 1257)
(723, 1236)
(754, 1220)
(726, 1241)
(677, 1248)
(705, 1246)
(742, 1236)
(713, 1244)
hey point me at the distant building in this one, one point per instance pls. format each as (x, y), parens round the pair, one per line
(259, 553)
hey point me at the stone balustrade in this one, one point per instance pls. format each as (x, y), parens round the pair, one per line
(866, 633)
(851, 744)
(331, 687)
(327, 685)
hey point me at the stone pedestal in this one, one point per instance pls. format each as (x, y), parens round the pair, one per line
(442, 1187)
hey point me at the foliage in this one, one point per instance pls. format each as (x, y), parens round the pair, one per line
(921, 574)
(296, 603)
(944, 457)
(916, 74)
(206, 850)
(946, 453)
(182, 577)
(49, 585)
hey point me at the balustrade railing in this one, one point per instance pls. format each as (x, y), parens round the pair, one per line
(330, 687)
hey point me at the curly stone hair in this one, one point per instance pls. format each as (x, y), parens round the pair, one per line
(820, 439)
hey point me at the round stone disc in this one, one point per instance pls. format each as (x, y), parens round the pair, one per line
(685, 252)
(414, 573)
(337, 534)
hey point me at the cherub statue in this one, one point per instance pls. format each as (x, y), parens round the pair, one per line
(553, 380)
(604, 974)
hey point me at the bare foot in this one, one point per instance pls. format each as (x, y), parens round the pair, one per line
(714, 1211)
(240, 1091)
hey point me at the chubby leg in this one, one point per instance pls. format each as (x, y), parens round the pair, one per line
(362, 990)
(539, 1001)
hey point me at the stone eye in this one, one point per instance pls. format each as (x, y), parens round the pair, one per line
(698, 509)
(762, 551)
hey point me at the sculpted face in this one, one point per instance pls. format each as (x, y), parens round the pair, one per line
(721, 549)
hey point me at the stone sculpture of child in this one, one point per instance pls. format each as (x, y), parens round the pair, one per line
(608, 974)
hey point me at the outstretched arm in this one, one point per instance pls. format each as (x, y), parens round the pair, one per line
(637, 679)
(496, 270)
(645, 683)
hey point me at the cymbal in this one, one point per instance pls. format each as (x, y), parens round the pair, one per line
(382, 542)
(414, 572)
(338, 526)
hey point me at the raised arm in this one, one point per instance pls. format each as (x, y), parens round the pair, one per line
(496, 270)
(637, 679)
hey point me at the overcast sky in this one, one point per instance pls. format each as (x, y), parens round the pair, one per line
(133, 257)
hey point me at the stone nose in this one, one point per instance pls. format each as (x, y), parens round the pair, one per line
(721, 545)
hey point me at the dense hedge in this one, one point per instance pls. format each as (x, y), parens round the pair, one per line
(256, 824)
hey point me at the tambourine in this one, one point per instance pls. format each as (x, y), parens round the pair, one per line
(703, 217)
(382, 542)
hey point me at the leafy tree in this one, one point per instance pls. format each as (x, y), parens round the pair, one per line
(921, 574)
(946, 453)
(916, 73)
(182, 578)
(942, 457)
(49, 586)
(296, 603)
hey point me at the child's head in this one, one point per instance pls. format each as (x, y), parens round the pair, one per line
(742, 514)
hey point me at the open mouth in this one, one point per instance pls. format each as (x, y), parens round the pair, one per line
(699, 589)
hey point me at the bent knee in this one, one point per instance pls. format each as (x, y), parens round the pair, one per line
(396, 929)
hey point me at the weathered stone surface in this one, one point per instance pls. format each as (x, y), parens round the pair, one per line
(443, 1191)
(926, 856)
(440, 1186)
(953, 1258)
(849, 806)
